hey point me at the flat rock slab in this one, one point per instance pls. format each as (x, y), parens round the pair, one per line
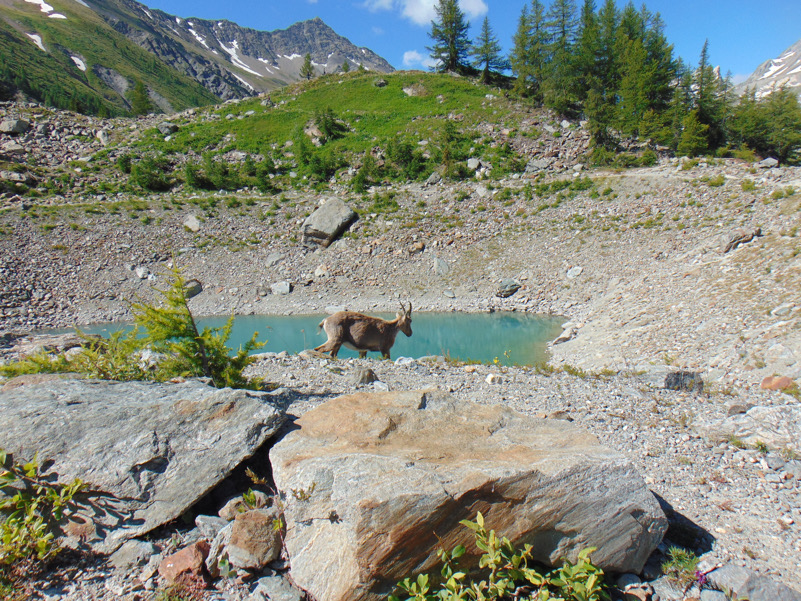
(146, 451)
(375, 483)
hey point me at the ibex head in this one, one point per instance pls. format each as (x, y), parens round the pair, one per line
(405, 319)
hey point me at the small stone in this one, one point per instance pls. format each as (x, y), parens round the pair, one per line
(132, 553)
(255, 540)
(210, 525)
(186, 562)
(574, 272)
(192, 223)
(362, 375)
(777, 383)
(738, 408)
(493, 379)
(281, 288)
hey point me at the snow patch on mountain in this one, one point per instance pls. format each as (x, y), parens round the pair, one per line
(37, 39)
(233, 51)
(244, 82)
(784, 71)
(57, 16)
(83, 3)
(198, 37)
(43, 6)
(80, 64)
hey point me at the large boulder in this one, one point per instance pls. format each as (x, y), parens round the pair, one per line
(146, 451)
(327, 223)
(376, 482)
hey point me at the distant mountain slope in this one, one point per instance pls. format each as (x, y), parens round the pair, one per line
(64, 54)
(230, 60)
(87, 55)
(777, 72)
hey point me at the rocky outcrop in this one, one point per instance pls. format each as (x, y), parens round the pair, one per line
(374, 483)
(146, 451)
(777, 427)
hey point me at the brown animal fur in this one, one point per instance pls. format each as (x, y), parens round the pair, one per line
(363, 333)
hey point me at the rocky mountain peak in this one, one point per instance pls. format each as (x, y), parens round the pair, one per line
(783, 71)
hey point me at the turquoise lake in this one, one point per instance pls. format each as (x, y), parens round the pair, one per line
(514, 338)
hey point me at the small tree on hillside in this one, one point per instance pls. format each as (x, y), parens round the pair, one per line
(449, 33)
(140, 101)
(307, 70)
(345, 67)
(487, 52)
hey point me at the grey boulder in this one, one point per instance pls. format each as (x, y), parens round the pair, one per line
(327, 223)
(146, 451)
(375, 483)
(745, 584)
(14, 126)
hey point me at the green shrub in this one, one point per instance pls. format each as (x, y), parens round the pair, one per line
(505, 571)
(151, 174)
(717, 181)
(745, 154)
(124, 163)
(31, 506)
(748, 185)
(681, 567)
(169, 329)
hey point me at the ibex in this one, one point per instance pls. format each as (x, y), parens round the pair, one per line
(364, 333)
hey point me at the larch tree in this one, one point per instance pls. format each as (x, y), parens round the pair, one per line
(449, 34)
(487, 52)
(307, 70)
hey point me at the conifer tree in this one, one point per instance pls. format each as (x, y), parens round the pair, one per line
(519, 57)
(487, 52)
(530, 52)
(709, 101)
(140, 101)
(345, 67)
(560, 85)
(449, 34)
(693, 139)
(307, 70)
(587, 50)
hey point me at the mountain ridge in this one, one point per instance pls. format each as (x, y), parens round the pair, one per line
(783, 71)
(87, 61)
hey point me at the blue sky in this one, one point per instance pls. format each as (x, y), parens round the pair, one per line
(742, 33)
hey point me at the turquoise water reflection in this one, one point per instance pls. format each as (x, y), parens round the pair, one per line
(514, 338)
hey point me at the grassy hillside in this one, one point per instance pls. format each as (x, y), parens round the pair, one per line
(54, 78)
(369, 112)
(337, 123)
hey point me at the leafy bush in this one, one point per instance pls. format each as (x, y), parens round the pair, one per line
(506, 574)
(32, 505)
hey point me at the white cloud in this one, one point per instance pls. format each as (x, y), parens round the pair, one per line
(422, 12)
(474, 8)
(378, 31)
(375, 5)
(412, 58)
(419, 11)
